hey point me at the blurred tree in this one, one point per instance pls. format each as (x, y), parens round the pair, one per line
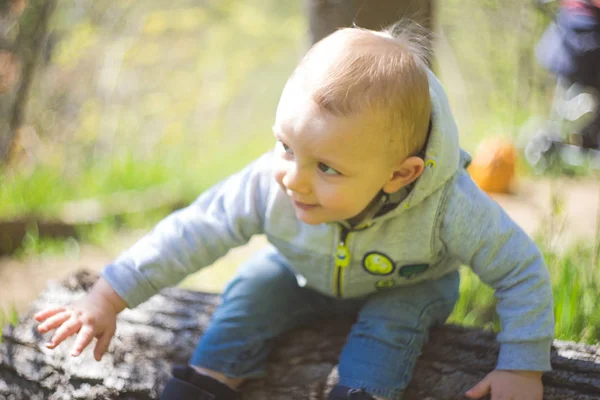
(23, 34)
(325, 16)
(10, 9)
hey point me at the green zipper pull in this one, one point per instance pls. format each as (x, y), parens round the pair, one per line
(342, 260)
(342, 256)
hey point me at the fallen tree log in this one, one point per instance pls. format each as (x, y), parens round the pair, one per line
(12, 232)
(87, 212)
(164, 330)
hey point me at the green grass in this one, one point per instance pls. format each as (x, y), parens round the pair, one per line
(33, 245)
(8, 317)
(188, 171)
(40, 191)
(476, 304)
(575, 287)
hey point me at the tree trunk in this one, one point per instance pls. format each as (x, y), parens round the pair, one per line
(10, 70)
(164, 331)
(325, 16)
(19, 57)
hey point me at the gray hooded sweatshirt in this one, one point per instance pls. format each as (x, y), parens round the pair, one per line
(443, 222)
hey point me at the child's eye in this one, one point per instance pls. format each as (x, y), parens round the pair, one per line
(327, 169)
(286, 148)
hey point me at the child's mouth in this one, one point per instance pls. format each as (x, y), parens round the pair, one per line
(304, 206)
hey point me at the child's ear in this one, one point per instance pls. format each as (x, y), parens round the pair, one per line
(404, 174)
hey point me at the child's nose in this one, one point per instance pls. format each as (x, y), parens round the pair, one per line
(297, 180)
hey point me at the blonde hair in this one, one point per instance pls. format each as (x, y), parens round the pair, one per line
(381, 74)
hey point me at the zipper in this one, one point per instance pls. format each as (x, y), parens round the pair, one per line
(342, 260)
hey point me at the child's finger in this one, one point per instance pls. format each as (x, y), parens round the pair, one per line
(67, 329)
(42, 315)
(53, 322)
(481, 389)
(85, 336)
(102, 345)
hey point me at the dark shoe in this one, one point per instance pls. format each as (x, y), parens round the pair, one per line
(346, 393)
(187, 384)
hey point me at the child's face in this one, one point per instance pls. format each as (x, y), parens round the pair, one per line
(330, 167)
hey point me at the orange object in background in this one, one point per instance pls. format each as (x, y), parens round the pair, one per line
(494, 164)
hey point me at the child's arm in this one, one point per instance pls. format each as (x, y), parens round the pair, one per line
(479, 233)
(94, 316)
(225, 216)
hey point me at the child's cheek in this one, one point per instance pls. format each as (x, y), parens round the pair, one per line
(337, 200)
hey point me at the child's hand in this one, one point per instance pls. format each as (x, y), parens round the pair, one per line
(94, 316)
(86, 318)
(509, 385)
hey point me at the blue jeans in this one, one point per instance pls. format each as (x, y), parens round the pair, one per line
(265, 300)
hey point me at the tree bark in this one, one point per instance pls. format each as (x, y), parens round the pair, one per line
(164, 330)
